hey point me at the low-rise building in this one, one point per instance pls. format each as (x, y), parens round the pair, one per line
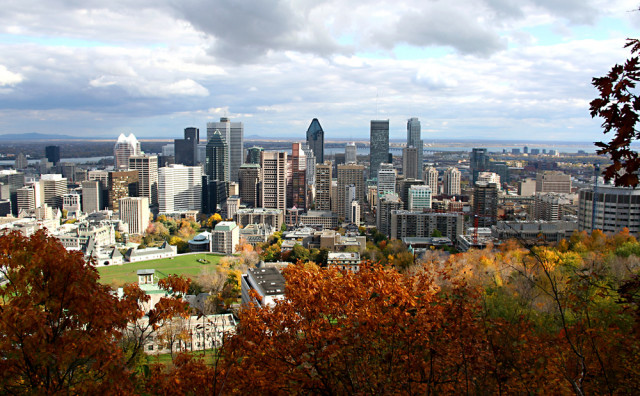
(344, 261)
(225, 237)
(268, 283)
(153, 253)
(255, 234)
(272, 217)
(324, 218)
(534, 231)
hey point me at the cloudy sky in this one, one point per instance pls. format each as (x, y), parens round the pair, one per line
(469, 69)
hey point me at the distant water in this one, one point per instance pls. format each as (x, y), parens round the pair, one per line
(84, 160)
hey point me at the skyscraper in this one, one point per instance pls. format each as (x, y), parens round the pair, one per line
(478, 162)
(379, 141)
(311, 164)
(92, 196)
(53, 187)
(53, 154)
(451, 181)
(349, 174)
(431, 179)
(147, 167)
(250, 179)
(419, 198)
(125, 147)
(485, 203)
(217, 154)
(179, 188)
(21, 161)
(297, 188)
(186, 150)
(274, 180)
(315, 139)
(253, 155)
(386, 179)
(323, 186)
(350, 153)
(410, 162)
(121, 184)
(233, 135)
(414, 140)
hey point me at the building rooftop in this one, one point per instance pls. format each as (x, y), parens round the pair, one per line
(270, 280)
(225, 226)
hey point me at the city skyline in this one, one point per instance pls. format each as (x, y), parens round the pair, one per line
(469, 70)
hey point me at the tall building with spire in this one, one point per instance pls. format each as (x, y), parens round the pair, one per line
(315, 139)
(414, 140)
(126, 146)
(217, 153)
(233, 135)
(379, 141)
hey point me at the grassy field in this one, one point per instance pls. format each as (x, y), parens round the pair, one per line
(167, 360)
(187, 265)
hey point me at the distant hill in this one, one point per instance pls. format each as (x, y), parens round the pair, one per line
(37, 136)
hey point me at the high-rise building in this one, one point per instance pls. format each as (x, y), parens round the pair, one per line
(179, 188)
(134, 211)
(147, 167)
(216, 166)
(311, 164)
(13, 180)
(489, 177)
(410, 163)
(616, 208)
(29, 197)
(415, 140)
(451, 181)
(125, 147)
(551, 206)
(92, 196)
(350, 153)
(54, 186)
(478, 162)
(501, 168)
(347, 175)
(553, 181)
(274, 180)
(386, 204)
(386, 179)
(354, 213)
(402, 188)
(419, 198)
(297, 188)
(233, 135)
(21, 161)
(323, 186)
(250, 179)
(315, 139)
(485, 203)
(405, 224)
(121, 184)
(53, 154)
(186, 150)
(379, 142)
(253, 155)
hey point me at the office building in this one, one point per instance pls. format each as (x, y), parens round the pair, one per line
(478, 162)
(250, 176)
(231, 206)
(53, 154)
(71, 203)
(29, 197)
(489, 177)
(350, 153)
(379, 142)
(147, 167)
(402, 188)
(54, 186)
(225, 237)
(430, 177)
(92, 196)
(410, 162)
(179, 188)
(415, 140)
(485, 203)
(12, 180)
(214, 195)
(217, 153)
(323, 186)
(169, 150)
(253, 155)
(311, 164)
(233, 134)
(501, 169)
(551, 206)
(616, 208)
(315, 140)
(134, 211)
(297, 184)
(386, 182)
(125, 147)
(272, 217)
(451, 182)
(386, 204)
(273, 193)
(121, 184)
(186, 150)
(351, 174)
(553, 181)
(419, 198)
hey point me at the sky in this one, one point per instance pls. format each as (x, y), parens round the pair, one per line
(468, 69)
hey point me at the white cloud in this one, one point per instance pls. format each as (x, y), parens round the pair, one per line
(8, 78)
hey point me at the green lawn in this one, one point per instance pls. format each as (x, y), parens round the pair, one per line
(187, 265)
(167, 360)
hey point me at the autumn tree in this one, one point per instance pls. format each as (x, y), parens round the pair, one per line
(618, 104)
